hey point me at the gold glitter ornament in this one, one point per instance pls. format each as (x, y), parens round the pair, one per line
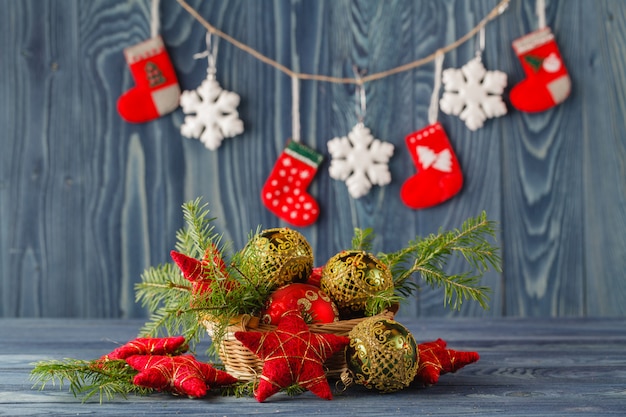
(382, 354)
(278, 256)
(351, 278)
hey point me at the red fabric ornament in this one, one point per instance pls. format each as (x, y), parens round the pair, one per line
(198, 272)
(311, 301)
(547, 81)
(292, 355)
(439, 175)
(156, 91)
(436, 360)
(285, 190)
(182, 375)
(316, 276)
(149, 346)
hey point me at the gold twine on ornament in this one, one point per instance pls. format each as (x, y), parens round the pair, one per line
(495, 12)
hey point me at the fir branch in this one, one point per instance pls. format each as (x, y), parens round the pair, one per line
(428, 257)
(166, 294)
(362, 239)
(106, 379)
(198, 235)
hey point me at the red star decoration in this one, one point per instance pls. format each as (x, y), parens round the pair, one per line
(198, 272)
(182, 374)
(149, 346)
(436, 360)
(292, 355)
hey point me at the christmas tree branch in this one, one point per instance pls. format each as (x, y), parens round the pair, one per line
(106, 379)
(428, 257)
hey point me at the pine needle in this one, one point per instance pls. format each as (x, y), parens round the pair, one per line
(428, 257)
(105, 379)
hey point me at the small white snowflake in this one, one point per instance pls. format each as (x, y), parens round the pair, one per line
(360, 160)
(211, 114)
(473, 93)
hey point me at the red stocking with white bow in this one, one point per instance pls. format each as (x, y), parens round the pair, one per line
(439, 175)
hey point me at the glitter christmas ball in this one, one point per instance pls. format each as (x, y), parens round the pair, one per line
(313, 303)
(351, 277)
(278, 256)
(382, 355)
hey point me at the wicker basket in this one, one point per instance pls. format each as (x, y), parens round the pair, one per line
(241, 363)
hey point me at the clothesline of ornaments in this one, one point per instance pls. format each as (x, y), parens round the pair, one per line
(472, 92)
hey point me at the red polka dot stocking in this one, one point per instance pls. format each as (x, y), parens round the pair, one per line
(547, 82)
(156, 91)
(439, 175)
(284, 192)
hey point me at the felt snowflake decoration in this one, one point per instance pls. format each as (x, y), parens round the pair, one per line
(182, 375)
(211, 114)
(291, 354)
(473, 93)
(360, 160)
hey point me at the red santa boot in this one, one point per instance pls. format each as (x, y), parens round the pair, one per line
(284, 192)
(547, 82)
(439, 175)
(156, 91)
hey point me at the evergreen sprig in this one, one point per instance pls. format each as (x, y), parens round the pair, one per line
(104, 379)
(428, 257)
(235, 287)
(166, 294)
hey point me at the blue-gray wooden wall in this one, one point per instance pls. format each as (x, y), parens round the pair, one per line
(87, 201)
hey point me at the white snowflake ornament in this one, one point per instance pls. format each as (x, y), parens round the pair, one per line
(211, 114)
(473, 93)
(360, 160)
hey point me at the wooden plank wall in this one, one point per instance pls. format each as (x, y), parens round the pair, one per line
(87, 201)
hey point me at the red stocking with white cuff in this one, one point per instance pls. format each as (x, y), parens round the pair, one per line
(439, 175)
(547, 81)
(156, 91)
(284, 192)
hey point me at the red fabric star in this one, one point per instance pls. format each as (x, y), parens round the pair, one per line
(182, 374)
(197, 272)
(436, 360)
(149, 346)
(292, 355)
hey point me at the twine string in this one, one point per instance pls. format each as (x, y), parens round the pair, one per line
(494, 13)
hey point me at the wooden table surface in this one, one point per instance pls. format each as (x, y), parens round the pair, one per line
(528, 367)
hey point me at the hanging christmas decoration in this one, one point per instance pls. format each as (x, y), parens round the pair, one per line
(156, 91)
(382, 354)
(285, 190)
(439, 175)
(358, 158)
(292, 355)
(547, 81)
(472, 92)
(210, 112)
